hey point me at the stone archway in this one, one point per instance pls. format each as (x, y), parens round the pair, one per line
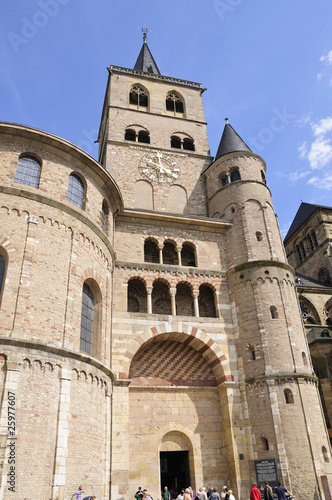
(174, 391)
(193, 337)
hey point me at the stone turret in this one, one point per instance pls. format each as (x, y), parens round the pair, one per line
(275, 374)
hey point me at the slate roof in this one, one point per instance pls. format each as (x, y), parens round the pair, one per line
(303, 213)
(145, 61)
(301, 280)
(231, 142)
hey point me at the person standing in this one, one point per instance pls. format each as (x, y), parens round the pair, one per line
(231, 496)
(180, 496)
(187, 494)
(215, 495)
(139, 493)
(281, 492)
(166, 494)
(78, 493)
(223, 492)
(268, 494)
(202, 494)
(255, 494)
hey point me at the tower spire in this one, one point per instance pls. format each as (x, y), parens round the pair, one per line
(145, 61)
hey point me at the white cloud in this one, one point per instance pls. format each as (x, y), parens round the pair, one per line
(298, 174)
(319, 76)
(324, 126)
(327, 59)
(324, 182)
(303, 152)
(320, 153)
(303, 121)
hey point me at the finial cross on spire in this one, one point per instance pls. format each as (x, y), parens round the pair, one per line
(145, 31)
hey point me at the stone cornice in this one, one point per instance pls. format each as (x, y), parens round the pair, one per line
(260, 264)
(58, 351)
(154, 76)
(198, 223)
(182, 153)
(281, 377)
(168, 269)
(237, 183)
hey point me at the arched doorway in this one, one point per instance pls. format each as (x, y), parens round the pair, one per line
(176, 455)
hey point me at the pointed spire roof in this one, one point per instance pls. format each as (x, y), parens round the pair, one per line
(230, 142)
(145, 61)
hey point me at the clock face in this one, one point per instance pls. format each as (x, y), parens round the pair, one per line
(159, 168)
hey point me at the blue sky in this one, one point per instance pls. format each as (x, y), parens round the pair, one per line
(267, 66)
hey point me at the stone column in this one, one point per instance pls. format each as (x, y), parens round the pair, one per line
(178, 250)
(160, 253)
(60, 459)
(195, 294)
(172, 292)
(149, 298)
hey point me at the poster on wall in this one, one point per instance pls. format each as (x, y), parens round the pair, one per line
(266, 470)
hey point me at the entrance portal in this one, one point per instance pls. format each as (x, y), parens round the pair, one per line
(174, 470)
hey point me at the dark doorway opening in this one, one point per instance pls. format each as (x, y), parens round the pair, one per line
(174, 470)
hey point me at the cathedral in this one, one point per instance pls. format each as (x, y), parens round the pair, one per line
(151, 333)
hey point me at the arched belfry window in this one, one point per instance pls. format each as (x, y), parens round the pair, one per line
(223, 179)
(137, 135)
(88, 304)
(28, 171)
(174, 102)
(75, 193)
(139, 96)
(235, 175)
(186, 143)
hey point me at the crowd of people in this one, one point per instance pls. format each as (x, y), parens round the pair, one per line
(211, 493)
(279, 491)
(188, 494)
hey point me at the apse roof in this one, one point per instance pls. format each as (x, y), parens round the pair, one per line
(231, 142)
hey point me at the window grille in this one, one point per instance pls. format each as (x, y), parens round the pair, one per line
(75, 194)
(28, 172)
(87, 319)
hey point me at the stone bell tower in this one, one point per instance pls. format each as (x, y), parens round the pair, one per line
(282, 414)
(153, 138)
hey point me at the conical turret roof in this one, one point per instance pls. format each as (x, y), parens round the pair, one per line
(230, 142)
(145, 61)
